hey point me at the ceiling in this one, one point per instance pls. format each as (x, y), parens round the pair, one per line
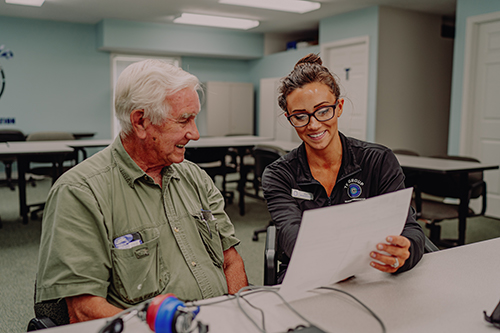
(163, 11)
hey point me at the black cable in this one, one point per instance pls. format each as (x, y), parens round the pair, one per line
(362, 304)
(255, 289)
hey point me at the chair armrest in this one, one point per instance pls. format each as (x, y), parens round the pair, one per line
(36, 324)
(270, 257)
(481, 184)
(418, 201)
(429, 246)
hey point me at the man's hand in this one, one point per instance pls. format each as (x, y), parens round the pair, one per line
(234, 269)
(89, 307)
(398, 250)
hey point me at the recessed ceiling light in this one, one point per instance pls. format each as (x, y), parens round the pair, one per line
(216, 21)
(35, 3)
(296, 6)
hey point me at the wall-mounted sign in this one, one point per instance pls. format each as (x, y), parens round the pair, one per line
(7, 54)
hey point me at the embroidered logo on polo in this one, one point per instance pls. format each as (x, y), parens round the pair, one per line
(354, 188)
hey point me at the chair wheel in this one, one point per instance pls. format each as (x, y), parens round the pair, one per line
(255, 237)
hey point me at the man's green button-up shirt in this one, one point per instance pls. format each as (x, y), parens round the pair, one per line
(108, 196)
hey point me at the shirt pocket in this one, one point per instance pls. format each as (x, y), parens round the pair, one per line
(139, 273)
(209, 233)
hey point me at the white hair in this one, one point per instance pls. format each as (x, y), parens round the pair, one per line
(146, 85)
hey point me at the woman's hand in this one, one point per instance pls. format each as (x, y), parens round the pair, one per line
(397, 253)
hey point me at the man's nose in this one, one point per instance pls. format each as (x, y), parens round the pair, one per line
(193, 133)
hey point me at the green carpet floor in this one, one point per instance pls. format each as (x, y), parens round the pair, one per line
(19, 249)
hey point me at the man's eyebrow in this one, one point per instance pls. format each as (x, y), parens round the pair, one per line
(187, 115)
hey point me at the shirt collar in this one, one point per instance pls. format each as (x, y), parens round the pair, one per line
(130, 171)
(348, 166)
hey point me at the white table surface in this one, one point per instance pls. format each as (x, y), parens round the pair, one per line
(446, 292)
(33, 147)
(440, 164)
(227, 141)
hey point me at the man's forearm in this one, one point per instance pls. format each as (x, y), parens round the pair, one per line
(89, 307)
(234, 269)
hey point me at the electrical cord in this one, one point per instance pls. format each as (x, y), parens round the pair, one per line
(257, 289)
(266, 289)
(256, 308)
(361, 303)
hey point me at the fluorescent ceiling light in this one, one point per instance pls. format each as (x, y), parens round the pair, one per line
(35, 3)
(216, 21)
(296, 6)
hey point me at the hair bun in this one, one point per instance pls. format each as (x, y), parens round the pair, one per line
(311, 58)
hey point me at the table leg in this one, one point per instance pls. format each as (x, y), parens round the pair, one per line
(22, 164)
(463, 208)
(242, 181)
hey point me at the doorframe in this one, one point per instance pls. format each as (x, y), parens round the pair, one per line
(470, 71)
(353, 41)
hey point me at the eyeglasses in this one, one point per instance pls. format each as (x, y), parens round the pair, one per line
(323, 114)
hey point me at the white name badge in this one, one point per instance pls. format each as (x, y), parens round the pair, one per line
(302, 195)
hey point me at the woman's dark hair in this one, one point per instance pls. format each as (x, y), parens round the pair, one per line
(307, 70)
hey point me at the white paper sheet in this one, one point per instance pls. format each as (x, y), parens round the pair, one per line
(335, 242)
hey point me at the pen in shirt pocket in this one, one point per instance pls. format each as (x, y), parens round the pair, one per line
(205, 216)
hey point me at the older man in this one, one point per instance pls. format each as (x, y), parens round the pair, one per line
(136, 220)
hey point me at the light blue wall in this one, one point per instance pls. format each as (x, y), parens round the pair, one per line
(155, 38)
(213, 69)
(356, 24)
(465, 9)
(57, 80)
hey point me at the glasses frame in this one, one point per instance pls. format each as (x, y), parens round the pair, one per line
(313, 114)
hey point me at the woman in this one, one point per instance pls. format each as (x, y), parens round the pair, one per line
(329, 168)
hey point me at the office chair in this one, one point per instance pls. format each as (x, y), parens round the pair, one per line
(263, 156)
(411, 177)
(7, 135)
(272, 255)
(50, 170)
(46, 165)
(435, 208)
(213, 160)
(49, 314)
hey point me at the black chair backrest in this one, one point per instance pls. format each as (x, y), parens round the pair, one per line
(405, 152)
(265, 155)
(448, 185)
(7, 135)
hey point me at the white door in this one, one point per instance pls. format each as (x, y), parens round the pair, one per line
(118, 64)
(483, 127)
(241, 110)
(272, 122)
(348, 59)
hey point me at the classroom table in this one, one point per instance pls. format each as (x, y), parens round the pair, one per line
(446, 292)
(80, 145)
(21, 151)
(242, 144)
(445, 166)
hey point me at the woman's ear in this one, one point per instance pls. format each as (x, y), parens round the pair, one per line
(139, 123)
(340, 107)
